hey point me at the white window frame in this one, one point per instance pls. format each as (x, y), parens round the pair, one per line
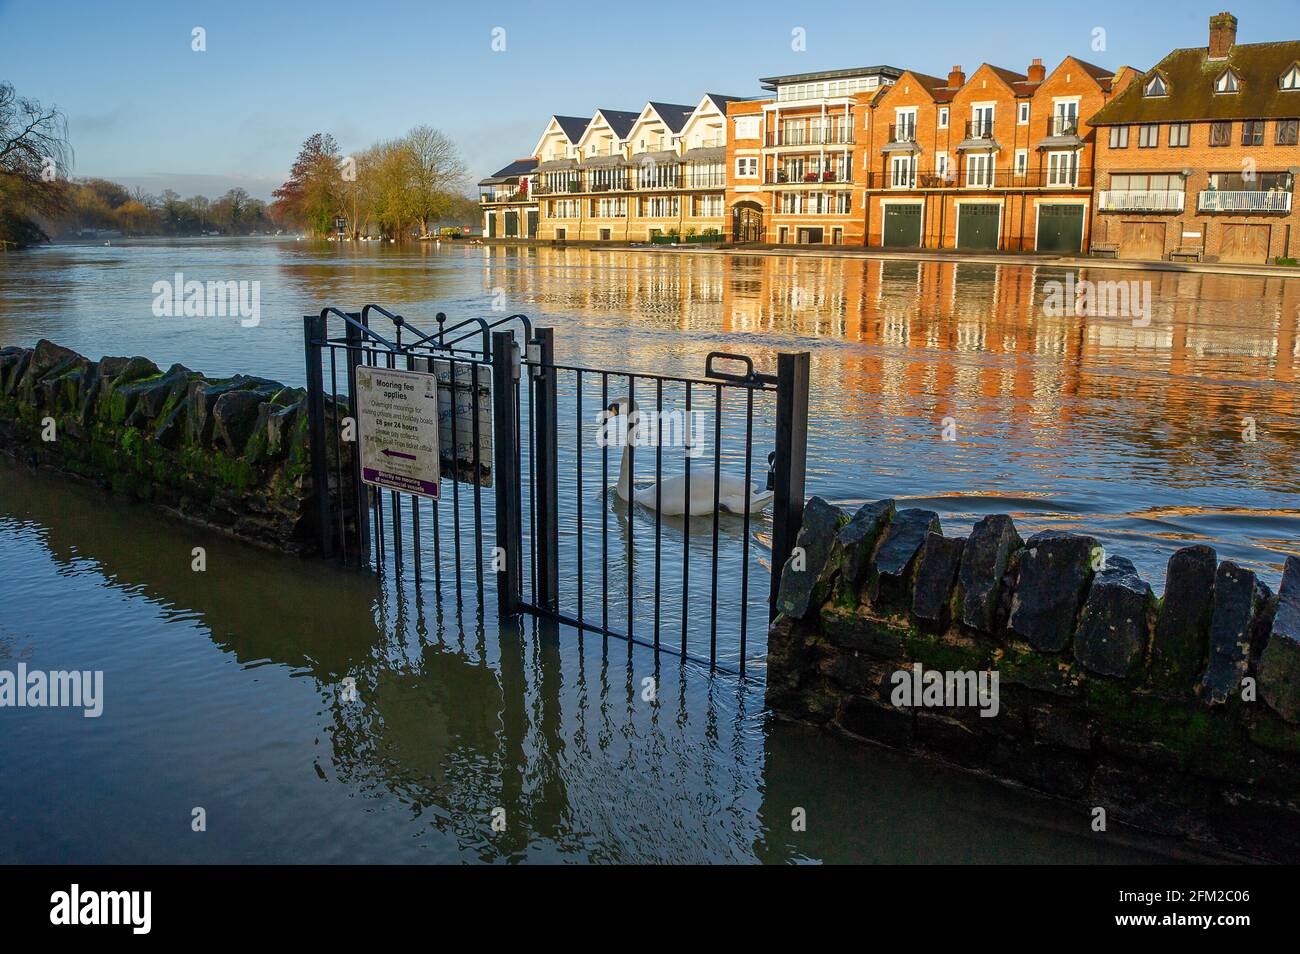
(1022, 162)
(1226, 78)
(1066, 161)
(1290, 79)
(1023, 115)
(1119, 133)
(906, 116)
(976, 109)
(943, 117)
(987, 164)
(941, 167)
(1153, 81)
(1185, 129)
(905, 162)
(747, 162)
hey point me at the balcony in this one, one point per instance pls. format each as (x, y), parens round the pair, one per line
(711, 180)
(904, 133)
(1065, 126)
(1134, 200)
(558, 188)
(826, 177)
(972, 179)
(498, 198)
(1258, 201)
(979, 129)
(810, 137)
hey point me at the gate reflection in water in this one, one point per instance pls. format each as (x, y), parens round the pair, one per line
(227, 689)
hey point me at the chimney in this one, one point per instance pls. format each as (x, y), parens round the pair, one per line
(1036, 72)
(1223, 34)
(956, 78)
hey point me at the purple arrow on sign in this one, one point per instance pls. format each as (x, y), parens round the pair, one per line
(392, 453)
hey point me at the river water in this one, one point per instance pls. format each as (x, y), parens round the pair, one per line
(224, 689)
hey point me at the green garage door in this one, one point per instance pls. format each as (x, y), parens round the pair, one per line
(1060, 229)
(512, 225)
(977, 226)
(902, 225)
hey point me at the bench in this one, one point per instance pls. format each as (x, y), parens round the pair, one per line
(1186, 253)
(1105, 249)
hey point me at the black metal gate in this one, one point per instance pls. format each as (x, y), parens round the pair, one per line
(676, 563)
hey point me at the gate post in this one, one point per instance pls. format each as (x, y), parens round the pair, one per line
(791, 457)
(505, 466)
(547, 479)
(313, 330)
(354, 337)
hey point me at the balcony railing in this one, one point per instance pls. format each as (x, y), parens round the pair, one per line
(617, 185)
(709, 181)
(560, 188)
(810, 137)
(1065, 126)
(489, 197)
(828, 176)
(1138, 200)
(1216, 201)
(979, 129)
(964, 178)
(904, 132)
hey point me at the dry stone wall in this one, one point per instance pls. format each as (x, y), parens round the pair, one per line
(1046, 663)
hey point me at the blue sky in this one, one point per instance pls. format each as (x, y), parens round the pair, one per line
(144, 108)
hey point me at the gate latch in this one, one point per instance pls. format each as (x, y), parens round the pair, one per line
(749, 377)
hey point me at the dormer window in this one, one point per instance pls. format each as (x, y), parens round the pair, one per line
(1155, 87)
(1291, 78)
(1226, 83)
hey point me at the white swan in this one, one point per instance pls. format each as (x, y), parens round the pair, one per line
(670, 493)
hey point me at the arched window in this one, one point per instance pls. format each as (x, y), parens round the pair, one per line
(1156, 87)
(1226, 83)
(1291, 78)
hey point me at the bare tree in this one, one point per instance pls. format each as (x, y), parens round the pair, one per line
(438, 172)
(34, 159)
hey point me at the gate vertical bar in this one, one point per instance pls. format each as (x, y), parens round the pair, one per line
(313, 336)
(505, 451)
(545, 430)
(354, 336)
(792, 371)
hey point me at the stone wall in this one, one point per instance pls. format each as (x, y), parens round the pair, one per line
(229, 453)
(1178, 714)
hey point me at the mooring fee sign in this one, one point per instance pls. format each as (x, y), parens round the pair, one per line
(397, 426)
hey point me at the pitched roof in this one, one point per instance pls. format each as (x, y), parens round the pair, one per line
(1190, 75)
(673, 114)
(721, 101)
(573, 126)
(517, 168)
(619, 120)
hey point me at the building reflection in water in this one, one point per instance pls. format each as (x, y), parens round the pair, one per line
(1132, 426)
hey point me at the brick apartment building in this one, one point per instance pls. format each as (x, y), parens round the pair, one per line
(999, 161)
(1198, 158)
(793, 157)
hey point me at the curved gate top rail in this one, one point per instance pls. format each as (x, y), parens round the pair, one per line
(568, 543)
